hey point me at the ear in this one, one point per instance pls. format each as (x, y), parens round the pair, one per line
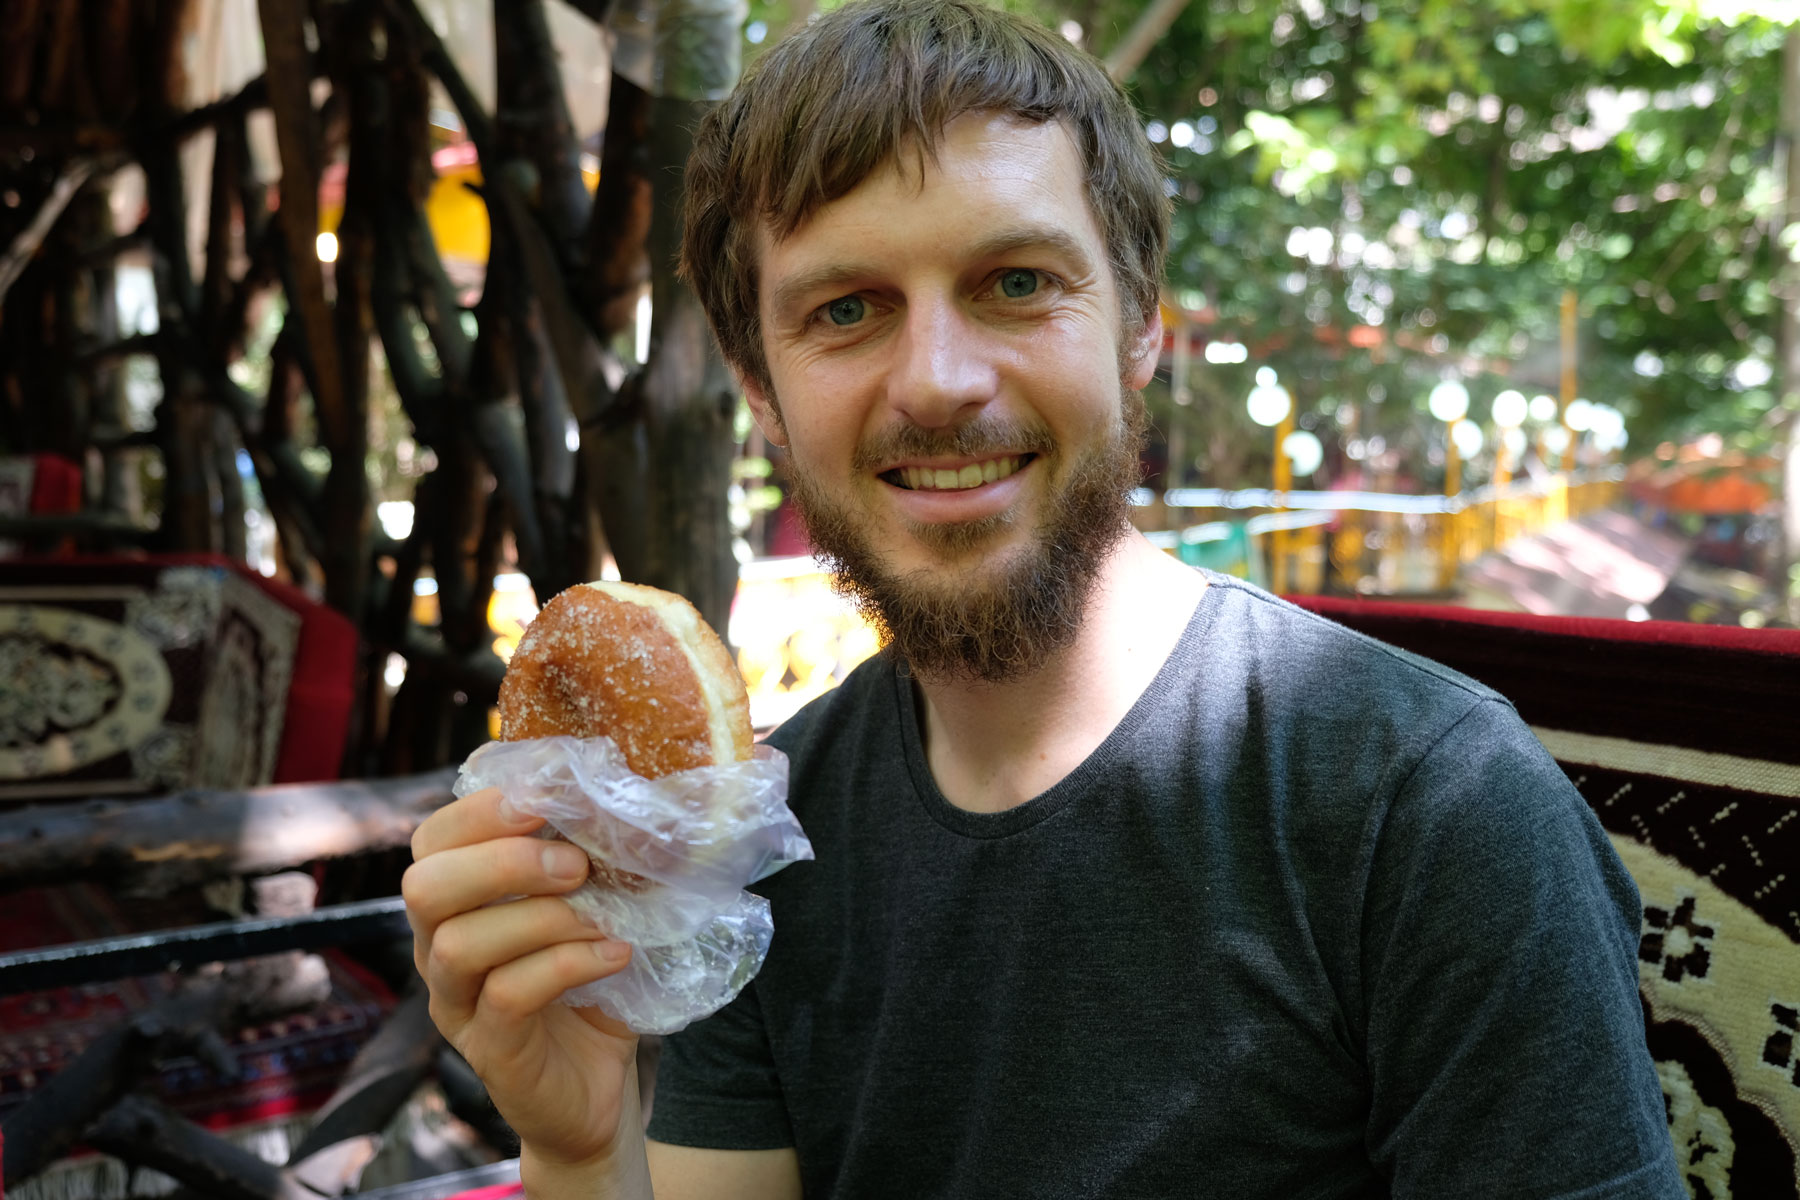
(763, 410)
(1145, 352)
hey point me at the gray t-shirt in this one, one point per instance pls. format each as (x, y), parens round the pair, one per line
(1318, 919)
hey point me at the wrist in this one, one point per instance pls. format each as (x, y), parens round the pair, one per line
(619, 1172)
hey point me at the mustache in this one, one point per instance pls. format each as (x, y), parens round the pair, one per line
(981, 437)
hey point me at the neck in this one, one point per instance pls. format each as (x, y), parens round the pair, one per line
(992, 746)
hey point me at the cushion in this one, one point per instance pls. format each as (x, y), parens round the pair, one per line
(152, 674)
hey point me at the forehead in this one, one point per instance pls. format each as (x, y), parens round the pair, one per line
(988, 172)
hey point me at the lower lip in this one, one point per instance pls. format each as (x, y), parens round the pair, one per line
(960, 504)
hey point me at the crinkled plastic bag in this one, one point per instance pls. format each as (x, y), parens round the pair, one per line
(693, 840)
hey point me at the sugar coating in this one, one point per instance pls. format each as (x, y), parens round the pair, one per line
(591, 665)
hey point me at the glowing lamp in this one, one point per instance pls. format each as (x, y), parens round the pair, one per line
(1268, 402)
(1449, 401)
(1304, 451)
(1510, 409)
(1466, 436)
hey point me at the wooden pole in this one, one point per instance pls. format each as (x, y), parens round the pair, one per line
(1279, 540)
(1452, 551)
(1784, 567)
(1568, 374)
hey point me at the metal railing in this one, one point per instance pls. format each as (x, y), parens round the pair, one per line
(1366, 543)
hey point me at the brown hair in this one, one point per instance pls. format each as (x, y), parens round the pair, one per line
(826, 107)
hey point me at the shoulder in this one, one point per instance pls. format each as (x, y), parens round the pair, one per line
(1352, 715)
(1267, 633)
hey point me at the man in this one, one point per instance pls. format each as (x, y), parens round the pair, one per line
(1130, 881)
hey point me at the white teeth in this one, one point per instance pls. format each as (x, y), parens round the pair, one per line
(944, 479)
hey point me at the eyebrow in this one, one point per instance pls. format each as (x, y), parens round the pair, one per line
(795, 289)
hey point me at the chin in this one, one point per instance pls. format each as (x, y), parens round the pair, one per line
(964, 540)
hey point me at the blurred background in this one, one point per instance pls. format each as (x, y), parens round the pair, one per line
(1485, 305)
(335, 335)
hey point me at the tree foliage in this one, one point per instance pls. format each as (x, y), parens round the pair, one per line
(1435, 174)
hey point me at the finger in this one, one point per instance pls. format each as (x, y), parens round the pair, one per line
(466, 948)
(465, 878)
(478, 817)
(517, 991)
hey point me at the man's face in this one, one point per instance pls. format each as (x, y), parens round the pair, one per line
(944, 347)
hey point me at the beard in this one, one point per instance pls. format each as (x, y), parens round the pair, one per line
(998, 619)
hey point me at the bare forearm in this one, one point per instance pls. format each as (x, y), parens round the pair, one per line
(623, 1177)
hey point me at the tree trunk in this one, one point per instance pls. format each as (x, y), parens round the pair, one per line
(667, 473)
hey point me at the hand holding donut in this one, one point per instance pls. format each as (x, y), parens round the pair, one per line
(563, 1078)
(639, 666)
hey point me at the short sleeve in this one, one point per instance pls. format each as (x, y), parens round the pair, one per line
(1505, 1038)
(716, 1084)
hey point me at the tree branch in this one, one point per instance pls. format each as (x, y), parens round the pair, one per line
(252, 95)
(25, 244)
(534, 125)
(596, 11)
(289, 85)
(617, 266)
(1138, 40)
(475, 118)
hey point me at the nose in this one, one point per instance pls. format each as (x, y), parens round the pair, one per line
(943, 372)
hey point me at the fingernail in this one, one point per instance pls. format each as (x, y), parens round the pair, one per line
(509, 812)
(610, 952)
(563, 861)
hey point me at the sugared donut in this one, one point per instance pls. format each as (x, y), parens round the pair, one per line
(633, 663)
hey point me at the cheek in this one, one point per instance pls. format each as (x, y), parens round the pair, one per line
(820, 446)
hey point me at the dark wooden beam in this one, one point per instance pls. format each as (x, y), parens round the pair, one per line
(144, 1133)
(63, 86)
(19, 50)
(109, 55)
(154, 844)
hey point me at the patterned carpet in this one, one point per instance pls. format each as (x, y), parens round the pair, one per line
(287, 1066)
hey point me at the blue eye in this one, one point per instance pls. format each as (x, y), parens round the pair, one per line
(1018, 284)
(846, 310)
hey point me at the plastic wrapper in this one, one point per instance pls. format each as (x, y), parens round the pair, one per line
(672, 857)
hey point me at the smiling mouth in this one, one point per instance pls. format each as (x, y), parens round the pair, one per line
(949, 479)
